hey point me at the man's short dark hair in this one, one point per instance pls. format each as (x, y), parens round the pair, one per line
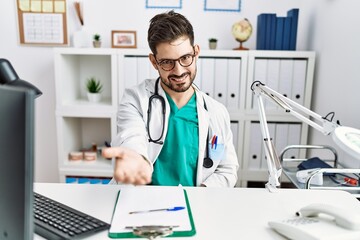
(167, 27)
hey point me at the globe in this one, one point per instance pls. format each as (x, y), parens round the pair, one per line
(242, 31)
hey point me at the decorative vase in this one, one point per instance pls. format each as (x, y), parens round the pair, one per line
(82, 38)
(212, 45)
(97, 44)
(94, 97)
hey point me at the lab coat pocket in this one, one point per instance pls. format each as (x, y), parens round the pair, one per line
(216, 152)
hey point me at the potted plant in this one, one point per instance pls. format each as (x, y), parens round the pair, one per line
(94, 88)
(97, 40)
(212, 43)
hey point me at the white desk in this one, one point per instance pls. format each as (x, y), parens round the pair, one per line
(219, 213)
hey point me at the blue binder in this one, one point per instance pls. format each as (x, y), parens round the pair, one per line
(261, 32)
(279, 33)
(294, 14)
(272, 31)
(286, 35)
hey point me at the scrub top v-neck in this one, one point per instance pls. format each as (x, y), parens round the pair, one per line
(177, 161)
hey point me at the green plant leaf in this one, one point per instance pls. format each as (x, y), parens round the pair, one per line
(93, 85)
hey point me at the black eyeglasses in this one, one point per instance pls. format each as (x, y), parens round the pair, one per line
(169, 64)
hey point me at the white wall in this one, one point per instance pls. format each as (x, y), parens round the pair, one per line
(335, 38)
(321, 28)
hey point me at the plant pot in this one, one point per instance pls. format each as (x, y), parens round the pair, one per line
(212, 45)
(94, 97)
(97, 44)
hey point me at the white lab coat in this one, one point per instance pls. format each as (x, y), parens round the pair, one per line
(132, 121)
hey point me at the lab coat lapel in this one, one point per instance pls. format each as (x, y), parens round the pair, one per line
(203, 118)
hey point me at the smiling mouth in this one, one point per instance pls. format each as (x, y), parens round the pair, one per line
(180, 78)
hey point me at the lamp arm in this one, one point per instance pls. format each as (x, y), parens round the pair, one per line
(311, 118)
(300, 112)
(272, 159)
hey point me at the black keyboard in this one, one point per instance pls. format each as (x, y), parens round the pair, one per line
(54, 220)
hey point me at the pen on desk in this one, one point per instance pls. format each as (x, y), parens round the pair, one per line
(173, 209)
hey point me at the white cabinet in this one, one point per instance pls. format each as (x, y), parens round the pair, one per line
(291, 74)
(223, 74)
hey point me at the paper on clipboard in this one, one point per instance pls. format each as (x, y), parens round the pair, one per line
(146, 198)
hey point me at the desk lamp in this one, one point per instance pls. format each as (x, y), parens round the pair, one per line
(9, 77)
(346, 138)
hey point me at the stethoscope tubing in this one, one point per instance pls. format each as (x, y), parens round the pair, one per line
(208, 162)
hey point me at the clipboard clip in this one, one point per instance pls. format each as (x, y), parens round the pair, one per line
(152, 231)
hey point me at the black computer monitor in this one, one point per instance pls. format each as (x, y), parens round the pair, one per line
(16, 163)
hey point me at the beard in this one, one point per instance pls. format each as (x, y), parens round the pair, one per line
(179, 87)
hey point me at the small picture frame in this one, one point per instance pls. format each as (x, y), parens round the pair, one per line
(123, 39)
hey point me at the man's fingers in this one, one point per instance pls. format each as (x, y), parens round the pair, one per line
(130, 167)
(112, 152)
(119, 175)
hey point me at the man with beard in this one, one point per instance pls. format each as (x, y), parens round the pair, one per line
(170, 132)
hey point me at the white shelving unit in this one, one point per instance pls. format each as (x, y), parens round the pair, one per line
(81, 123)
(224, 74)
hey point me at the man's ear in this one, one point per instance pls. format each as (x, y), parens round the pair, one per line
(197, 50)
(153, 61)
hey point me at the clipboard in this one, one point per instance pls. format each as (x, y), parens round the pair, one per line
(143, 199)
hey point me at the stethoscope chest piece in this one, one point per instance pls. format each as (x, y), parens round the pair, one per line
(208, 163)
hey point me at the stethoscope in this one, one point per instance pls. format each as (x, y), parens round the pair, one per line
(208, 162)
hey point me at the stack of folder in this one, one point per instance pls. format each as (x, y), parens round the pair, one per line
(277, 33)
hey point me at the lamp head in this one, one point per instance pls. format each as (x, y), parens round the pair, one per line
(8, 76)
(348, 139)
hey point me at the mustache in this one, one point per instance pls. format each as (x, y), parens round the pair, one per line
(177, 76)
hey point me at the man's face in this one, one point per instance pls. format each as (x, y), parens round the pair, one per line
(180, 55)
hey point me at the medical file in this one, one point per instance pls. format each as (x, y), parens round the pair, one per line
(154, 206)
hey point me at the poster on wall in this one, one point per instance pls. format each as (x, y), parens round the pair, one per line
(222, 5)
(164, 4)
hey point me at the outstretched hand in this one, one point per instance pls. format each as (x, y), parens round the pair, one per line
(130, 167)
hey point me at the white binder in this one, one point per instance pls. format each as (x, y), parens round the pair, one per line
(273, 77)
(221, 80)
(208, 75)
(143, 69)
(299, 79)
(254, 158)
(130, 71)
(294, 133)
(286, 77)
(233, 90)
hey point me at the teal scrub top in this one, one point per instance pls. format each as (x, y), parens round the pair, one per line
(177, 162)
